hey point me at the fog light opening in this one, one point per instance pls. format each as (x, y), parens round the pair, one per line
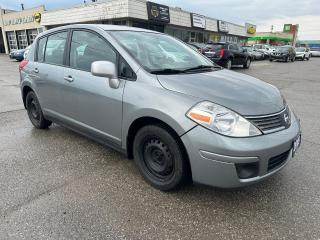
(247, 170)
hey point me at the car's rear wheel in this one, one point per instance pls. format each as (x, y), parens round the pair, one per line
(229, 64)
(160, 158)
(35, 112)
(247, 63)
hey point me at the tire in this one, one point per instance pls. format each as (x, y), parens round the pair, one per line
(229, 64)
(160, 158)
(247, 63)
(270, 60)
(35, 112)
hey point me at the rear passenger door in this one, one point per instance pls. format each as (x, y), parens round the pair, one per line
(89, 103)
(48, 69)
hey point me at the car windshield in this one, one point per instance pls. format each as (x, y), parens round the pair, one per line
(214, 46)
(300, 49)
(160, 52)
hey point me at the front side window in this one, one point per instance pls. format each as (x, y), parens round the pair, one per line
(86, 48)
(55, 48)
(156, 52)
(41, 48)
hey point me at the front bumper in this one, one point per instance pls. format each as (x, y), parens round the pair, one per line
(213, 157)
(278, 57)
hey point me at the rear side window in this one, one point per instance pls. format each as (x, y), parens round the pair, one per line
(55, 48)
(41, 48)
(86, 48)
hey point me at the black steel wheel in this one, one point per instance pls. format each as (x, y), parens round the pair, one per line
(35, 112)
(160, 158)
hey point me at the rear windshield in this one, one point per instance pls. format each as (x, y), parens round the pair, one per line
(214, 46)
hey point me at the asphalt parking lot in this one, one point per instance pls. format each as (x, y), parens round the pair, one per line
(56, 184)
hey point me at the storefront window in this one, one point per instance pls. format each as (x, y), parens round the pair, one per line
(32, 34)
(12, 41)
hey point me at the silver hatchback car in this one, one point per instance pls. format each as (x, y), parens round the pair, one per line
(149, 95)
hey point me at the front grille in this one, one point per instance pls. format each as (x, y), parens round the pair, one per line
(273, 122)
(277, 161)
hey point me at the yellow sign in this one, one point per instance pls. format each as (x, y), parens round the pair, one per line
(251, 29)
(37, 17)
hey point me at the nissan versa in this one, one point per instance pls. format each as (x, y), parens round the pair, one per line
(181, 117)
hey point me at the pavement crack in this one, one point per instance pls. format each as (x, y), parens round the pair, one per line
(31, 199)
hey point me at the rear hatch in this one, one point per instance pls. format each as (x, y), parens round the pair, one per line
(214, 50)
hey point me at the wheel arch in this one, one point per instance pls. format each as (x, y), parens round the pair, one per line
(25, 90)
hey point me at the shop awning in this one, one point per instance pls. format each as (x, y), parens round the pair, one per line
(270, 38)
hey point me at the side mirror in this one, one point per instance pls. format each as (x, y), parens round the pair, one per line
(106, 69)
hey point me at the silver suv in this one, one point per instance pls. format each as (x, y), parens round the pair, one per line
(151, 96)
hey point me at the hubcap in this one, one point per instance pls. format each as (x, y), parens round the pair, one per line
(34, 109)
(158, 159)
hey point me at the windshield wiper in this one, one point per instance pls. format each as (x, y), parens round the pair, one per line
(202, 67)
(167, 71)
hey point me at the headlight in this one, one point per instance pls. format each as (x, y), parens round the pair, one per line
(222, 120)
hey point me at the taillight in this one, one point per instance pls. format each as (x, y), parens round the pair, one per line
(221, 53)
(23, 64)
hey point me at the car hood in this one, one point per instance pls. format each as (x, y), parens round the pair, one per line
(241, 93)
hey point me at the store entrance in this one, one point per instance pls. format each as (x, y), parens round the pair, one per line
(2, 49)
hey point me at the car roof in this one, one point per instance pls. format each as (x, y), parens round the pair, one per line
(106, 27)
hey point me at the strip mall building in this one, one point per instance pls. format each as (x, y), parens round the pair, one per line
(187, 26)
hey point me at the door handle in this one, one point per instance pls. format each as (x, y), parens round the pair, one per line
(68, 78)
(36, 70)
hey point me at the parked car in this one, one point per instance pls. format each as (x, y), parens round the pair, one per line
(263, 48)
(17, 54)
(255, 55)
(315, 52)
(181, 118)
(303, 53)
(227, 55)
(285, 53)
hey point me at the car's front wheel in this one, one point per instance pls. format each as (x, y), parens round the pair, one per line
(35, 112)
(160, 158)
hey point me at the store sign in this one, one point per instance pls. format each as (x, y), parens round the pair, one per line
(250, 28)
(198, 21)
(287, 28)
(223, 26)
(158, 12)
(22, 20)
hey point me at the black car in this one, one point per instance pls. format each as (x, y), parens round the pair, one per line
(228, 55)
(285, 53)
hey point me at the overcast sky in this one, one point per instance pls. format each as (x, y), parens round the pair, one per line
(260, 12)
